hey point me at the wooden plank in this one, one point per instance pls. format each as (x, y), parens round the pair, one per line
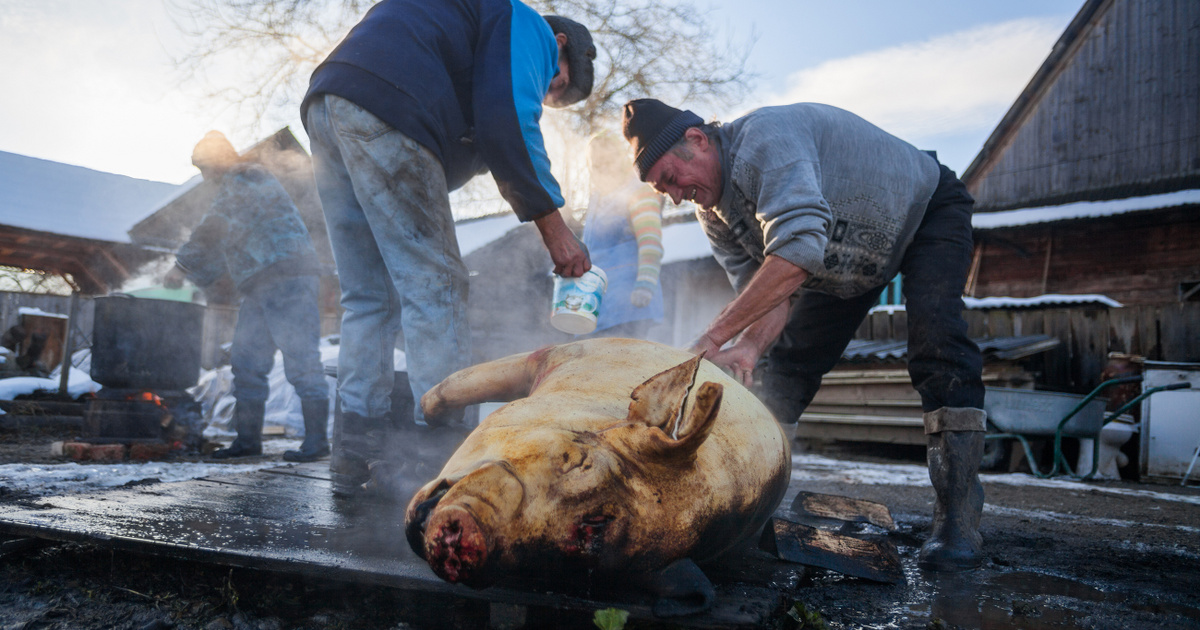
(875, 560)
(843, 509)
(861, 433)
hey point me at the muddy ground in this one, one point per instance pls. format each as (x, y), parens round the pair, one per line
(1102, 555)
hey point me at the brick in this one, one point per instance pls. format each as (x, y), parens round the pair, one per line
(107, 452)
(148, 450)
(76, 450)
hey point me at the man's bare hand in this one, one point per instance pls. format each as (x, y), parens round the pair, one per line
(739, 359)
(569, 254)
(703, 347)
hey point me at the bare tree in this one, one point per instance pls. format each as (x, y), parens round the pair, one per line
(660, 48)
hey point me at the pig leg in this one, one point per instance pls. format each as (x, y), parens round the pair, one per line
(501, 380)
(681, 587)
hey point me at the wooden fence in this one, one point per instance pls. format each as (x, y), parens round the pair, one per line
(1169, 332)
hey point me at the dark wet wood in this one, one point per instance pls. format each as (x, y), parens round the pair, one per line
(871, 558)
(287, 519)
(843, 509)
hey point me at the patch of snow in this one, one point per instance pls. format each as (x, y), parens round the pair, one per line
(475, 233)
(808, 467)
(685, 241)
(43, 479)
(1082, 210)
(79, 382)
(37, 312)
(1040, 300)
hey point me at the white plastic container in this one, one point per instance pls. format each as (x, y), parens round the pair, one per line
(577, 301)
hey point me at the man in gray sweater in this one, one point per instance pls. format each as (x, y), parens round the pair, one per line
(811, 210)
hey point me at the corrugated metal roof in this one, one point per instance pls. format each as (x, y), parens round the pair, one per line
(1002, 348)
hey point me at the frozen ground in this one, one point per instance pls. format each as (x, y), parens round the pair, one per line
(1060, 554)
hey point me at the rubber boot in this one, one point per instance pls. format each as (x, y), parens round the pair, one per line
(248, 422)
(358, 441)
(954, 542)
(316, 423)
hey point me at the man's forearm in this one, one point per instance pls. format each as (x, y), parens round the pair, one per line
(769, 290)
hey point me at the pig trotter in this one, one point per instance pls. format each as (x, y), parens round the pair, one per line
(682, 589)
(455, 546)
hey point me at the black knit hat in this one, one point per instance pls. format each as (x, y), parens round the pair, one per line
(580, 52)
(653, 127)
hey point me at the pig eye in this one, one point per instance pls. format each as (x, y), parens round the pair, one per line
(574, 459)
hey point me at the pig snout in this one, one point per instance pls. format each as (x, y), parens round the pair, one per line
(455, 546)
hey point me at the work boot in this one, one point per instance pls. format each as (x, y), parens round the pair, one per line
(248, 422)
(954, 542)
(357, 442)
(316, 423)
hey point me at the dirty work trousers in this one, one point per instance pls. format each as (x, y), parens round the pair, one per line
(278, 313)
(944, 364)
(387, 208)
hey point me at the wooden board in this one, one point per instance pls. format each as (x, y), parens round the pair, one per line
(287, 519)
(843, 509)
(875, 560)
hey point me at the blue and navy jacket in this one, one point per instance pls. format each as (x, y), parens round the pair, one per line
(465, 79)
(253, 231)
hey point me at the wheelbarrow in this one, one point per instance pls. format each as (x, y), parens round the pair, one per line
(1021, 413)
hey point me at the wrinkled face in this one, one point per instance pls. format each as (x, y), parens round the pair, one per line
(555, 499)
(691, 172)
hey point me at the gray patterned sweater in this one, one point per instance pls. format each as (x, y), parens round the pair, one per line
(821, 188)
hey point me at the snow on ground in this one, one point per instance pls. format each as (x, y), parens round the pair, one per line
(72, 478)
(808, 467)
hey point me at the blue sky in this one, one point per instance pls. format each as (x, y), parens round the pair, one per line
(90, 83)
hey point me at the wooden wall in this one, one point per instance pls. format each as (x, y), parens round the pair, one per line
(1159, 333)
(1122, 113)
(1134, 259)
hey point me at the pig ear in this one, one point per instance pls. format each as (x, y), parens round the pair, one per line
(660, 403)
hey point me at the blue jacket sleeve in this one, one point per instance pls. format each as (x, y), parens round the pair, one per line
(201, 258)
(516, 59)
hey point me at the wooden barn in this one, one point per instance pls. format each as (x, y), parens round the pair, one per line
(1091, 182)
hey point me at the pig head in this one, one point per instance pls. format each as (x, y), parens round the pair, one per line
(614, 455)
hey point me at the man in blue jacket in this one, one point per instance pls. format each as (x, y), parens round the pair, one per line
(419, 98)
(254, 233)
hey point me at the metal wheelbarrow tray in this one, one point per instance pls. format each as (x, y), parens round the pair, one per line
(1035, 413)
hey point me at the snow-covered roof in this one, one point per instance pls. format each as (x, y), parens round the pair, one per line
(1050, 299)
(681, 241)
(1083, 210)
(58, 198)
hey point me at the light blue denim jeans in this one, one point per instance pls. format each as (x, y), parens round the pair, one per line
(388, 213)
(278, 313)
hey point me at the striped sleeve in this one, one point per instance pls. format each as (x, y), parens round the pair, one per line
(645, 215)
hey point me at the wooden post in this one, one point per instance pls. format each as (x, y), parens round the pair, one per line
(68, 345)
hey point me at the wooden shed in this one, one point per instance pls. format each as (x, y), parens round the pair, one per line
(1091, 182)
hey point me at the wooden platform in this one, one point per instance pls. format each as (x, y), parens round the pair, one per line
(286, 519)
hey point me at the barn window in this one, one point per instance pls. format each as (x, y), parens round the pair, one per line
(1189, 291)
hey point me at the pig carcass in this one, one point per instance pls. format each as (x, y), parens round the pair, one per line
(614, 456)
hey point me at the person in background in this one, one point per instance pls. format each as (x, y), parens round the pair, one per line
(417, 99)
(811, 210)
(623, 234)
(254, 233)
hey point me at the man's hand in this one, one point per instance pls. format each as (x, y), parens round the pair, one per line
(704, 347)
(739, 359)
(569, 254)
(174, 278)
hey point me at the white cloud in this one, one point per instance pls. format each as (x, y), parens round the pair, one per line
(950, 84)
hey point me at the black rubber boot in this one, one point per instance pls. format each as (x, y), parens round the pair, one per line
(316, 423)
(954, 542)
(248, 422)
(358, 441)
